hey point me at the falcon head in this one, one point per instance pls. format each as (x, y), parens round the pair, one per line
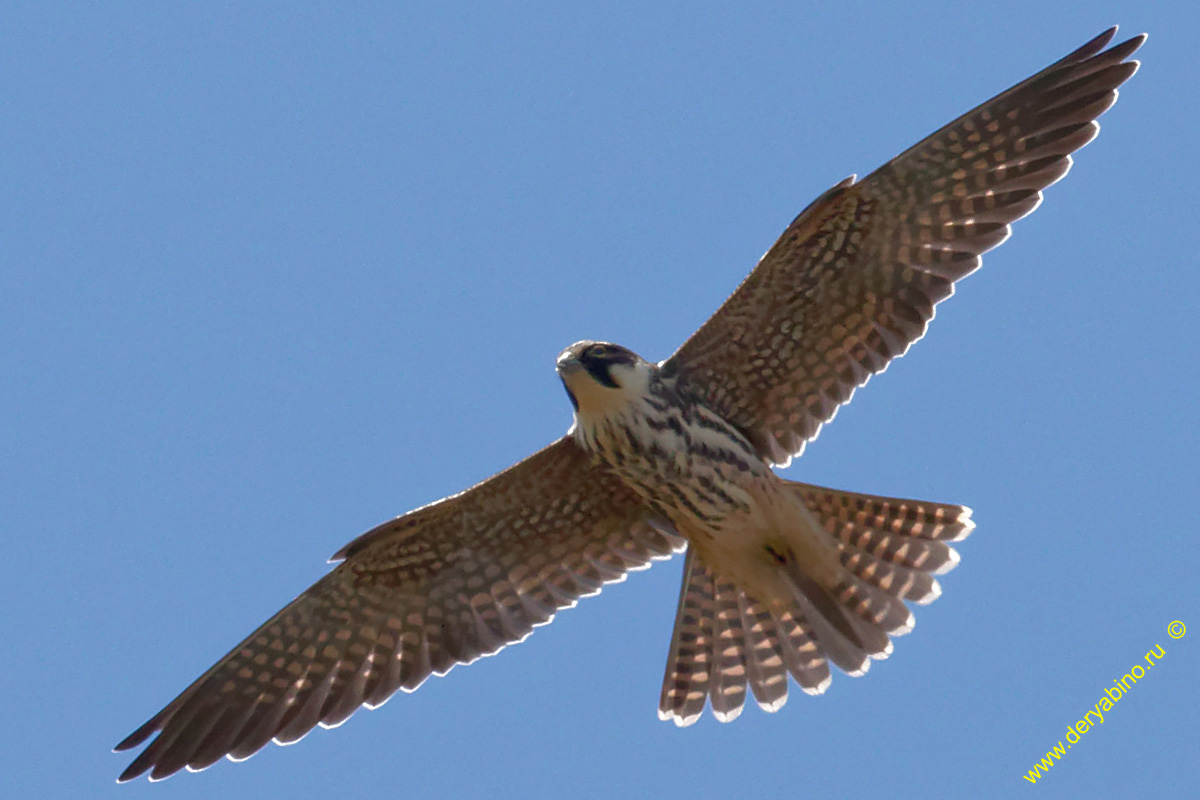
(599, 376)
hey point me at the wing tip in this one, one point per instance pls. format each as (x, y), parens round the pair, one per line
(1097, 45)
(144, 732)
(1093, 45)
(1140, 40)
(138, 767)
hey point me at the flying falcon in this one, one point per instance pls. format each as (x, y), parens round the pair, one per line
(781, 578)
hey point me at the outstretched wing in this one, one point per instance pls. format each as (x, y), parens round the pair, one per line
(854, 279)
(442, 585)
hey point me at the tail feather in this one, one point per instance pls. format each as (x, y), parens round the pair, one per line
(847, 641)
(908, 533)
(766, 668)
(875, 606)
(900, 581)
(728, 689)
(917, 518)
(725, 640)
(689, 663)
(934, 558)
(803, 655)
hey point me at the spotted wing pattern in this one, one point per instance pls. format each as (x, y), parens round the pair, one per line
(440, 586)
(854, 279)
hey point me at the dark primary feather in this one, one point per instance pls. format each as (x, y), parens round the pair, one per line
(854, 279)
(440, 586)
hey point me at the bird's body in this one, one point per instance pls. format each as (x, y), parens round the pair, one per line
(696, 470)
(699, 473)
(781, 578)
(663, 441)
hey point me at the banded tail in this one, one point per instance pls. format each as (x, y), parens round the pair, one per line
(725, 641)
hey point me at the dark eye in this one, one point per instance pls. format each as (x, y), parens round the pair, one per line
(596, 360)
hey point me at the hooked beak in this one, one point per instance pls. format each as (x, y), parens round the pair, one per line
(567, 364)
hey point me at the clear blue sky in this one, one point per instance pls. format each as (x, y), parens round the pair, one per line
(270, 275)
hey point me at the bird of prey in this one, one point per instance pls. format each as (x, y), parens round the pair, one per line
(781, 578)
